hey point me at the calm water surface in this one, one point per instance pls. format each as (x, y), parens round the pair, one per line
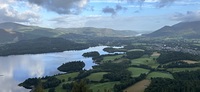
(15, 69)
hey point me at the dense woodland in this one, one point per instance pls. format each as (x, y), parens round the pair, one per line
(91, 54)
(74, 66)
(112, 50)
(51, 82)
(187, 81)
(180, 64)
(134, 54)
(167, 57)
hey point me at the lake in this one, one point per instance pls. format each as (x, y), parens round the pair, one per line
(16, 68)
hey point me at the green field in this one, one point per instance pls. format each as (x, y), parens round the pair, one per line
(66, 76)
(96, 76)
(111, 58)
(159, 74)
(145, 61)
(196, 44)
(102, 86)
(121, 60)
(183, 69)
(137, 71)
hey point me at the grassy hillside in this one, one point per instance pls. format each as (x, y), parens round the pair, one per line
(159, 74)
(101, 32)
(137, 71)
(23, 32)
(6, 36)
(96, 76)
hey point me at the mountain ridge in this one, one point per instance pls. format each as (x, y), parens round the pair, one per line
(24, 32)
(182, 29)
(102, 32)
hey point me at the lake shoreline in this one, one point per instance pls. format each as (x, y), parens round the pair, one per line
(17, 68)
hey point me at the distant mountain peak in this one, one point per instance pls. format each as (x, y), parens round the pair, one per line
(182, 29)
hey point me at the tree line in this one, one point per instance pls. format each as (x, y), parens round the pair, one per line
(170, 56)
(186, 81)
(40, 45)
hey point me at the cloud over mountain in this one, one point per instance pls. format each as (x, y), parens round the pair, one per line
(113, 11)
(188, 16)
(76, 6)
(51, 13)
(61, 6)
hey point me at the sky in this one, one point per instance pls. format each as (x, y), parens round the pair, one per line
(137, 15)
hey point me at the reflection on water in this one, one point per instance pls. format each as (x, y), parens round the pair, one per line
(15, 69)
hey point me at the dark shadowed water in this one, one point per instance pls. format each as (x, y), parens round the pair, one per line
(15, 69)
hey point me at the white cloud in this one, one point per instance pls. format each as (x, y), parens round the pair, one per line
(9, 13)
(106, 1)
(118, 22)
(150, 1)
(188, 16)
(77, 6)
(61, 6)
(31, 12)
(69, 21)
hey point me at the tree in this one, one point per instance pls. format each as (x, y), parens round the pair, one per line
(52, 90)
(51, 82)
(74, 66)
(80, 87)
(134, 54)
(39, 87)
(91, 54)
